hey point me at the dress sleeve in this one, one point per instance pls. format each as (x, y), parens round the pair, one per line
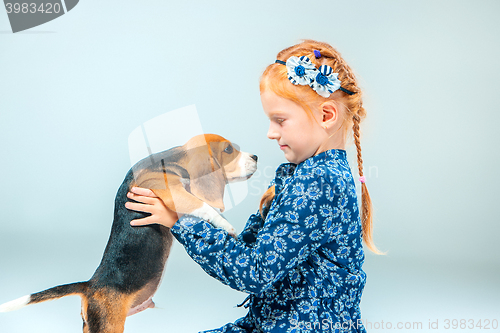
(254, 223)
(249, 233)
(302, 218)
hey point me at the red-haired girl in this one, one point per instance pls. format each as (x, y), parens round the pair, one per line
(300, 258)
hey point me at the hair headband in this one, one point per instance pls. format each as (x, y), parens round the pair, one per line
(301, 71)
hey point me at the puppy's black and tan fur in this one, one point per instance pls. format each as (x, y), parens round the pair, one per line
(190, 180)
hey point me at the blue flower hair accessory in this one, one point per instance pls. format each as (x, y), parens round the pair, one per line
(325, 82)
(301, 71)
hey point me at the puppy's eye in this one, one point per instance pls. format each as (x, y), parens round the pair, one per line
(229, 149)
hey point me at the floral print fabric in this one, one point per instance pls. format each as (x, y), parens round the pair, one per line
(302, 265)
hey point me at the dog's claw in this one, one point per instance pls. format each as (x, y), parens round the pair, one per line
(232, 233)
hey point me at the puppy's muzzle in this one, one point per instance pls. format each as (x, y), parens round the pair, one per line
(248, 166)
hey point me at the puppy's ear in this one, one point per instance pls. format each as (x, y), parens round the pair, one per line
(210, 188)
(207, 180)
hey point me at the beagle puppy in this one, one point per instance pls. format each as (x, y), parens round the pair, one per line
(190, 180)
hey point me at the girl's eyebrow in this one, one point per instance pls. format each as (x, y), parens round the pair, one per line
(276, 113)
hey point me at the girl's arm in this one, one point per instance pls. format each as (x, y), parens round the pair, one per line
(148, 202)
(304, 219)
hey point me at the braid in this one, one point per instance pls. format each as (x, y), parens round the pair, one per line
(355, 128)
(366, 202)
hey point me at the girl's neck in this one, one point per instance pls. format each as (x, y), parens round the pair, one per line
(334, 140)
(332, 144)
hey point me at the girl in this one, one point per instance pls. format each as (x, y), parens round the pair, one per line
(301, 262)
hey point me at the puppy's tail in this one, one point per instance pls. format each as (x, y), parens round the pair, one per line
(78, 288)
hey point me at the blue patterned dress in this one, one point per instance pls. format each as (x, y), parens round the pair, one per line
(301, 266)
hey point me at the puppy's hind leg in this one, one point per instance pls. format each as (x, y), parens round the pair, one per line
(105, 311)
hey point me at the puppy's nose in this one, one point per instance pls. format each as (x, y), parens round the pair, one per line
(254, 157)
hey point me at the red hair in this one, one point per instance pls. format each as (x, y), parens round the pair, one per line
(275, 79)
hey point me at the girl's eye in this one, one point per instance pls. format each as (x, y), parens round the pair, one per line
(229, 149)
(280, 120)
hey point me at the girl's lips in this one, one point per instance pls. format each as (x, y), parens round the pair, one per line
(283, 147)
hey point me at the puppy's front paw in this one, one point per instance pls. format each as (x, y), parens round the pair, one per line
(220, 222)
(209, 214)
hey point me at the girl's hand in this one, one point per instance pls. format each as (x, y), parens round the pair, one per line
(148, 202)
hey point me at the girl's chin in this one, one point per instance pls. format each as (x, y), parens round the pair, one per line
(291, 158)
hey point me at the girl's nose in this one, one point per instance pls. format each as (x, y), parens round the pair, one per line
(272, 133)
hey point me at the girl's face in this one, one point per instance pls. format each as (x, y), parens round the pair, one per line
(298, 136)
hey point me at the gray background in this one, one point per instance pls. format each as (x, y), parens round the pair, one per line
(73, 89)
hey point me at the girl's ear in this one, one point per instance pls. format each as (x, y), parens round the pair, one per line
(330, 113)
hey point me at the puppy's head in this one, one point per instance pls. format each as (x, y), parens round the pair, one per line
(214, 161)
(211, 152)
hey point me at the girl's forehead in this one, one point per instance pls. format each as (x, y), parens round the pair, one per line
(275, 103)
(279, 111)
(276, 106)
